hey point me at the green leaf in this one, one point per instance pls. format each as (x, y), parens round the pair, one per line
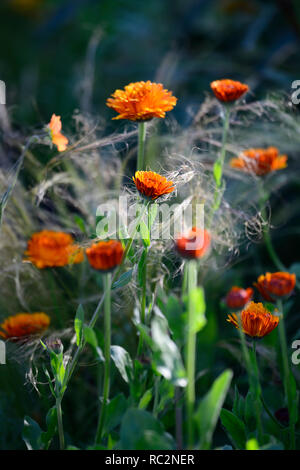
(239, 404)
(252, 444)
(210, 406)
(217, 170)
(173, 311)
(51, 421)
(114, 413)
(152, 213)
(122, 362)
(32, 434)
(196, 302)
(234, 427)
(78, 324)
(123, 280)
(141, 265)
(145, 400)
(141, 431)
(145, 234)
(91, 338)
(166, 356)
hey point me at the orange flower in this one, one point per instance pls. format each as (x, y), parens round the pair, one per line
(23, 325)
(194, 244)
(48, 249)
(151, 184)
(237, 297)
(105, 255)
(57, 137)
(259, 161)
(142, 101)
(256, 320)
(274, 285)
(227, 90)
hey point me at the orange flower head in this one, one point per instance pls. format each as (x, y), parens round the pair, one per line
(259, 161)
(195, 244)
(256, 320)
(22, 325)
(57, 137)
(275, 285)
(49, 249)
(105, 255)
(141, 101)
(227, 90)
(151, 185)
(237, 297)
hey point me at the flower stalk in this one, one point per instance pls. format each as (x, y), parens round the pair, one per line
(191, 268)
(107, 345)
(141, 146)
(286, 373)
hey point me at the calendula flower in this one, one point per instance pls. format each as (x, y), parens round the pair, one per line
(23, 325)
(141, 101)
(227, 90)
(194, 244)
(238, 297)
(259, 161)
(152, 185)
(49, 249)
(256, 320)
(57, 137)
(105, 255)
(275, 285)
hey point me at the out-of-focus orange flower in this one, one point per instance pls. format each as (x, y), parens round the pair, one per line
(259, 161)
(23, 325)
(25, 6)
(256, 320)
(49, 249)
(227, 90)
(141, 101)
(194, 244)
(238, 297)
(274, 285)
(105, 255)
(57, 137)
(152, 185)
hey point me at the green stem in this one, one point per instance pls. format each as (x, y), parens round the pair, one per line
(96, 313)
(253, 376)
(60, 424)
(144, 287)
(107, 344)
(218, 166)
(191, 268)
(257, 396)
(141, 145)
(286, 372)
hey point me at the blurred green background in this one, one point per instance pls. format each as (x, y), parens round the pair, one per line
(58, 55)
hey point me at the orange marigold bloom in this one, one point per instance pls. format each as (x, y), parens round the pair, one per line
(274, 285)
(48, 249)
(227, 90)
(238, 297)
(195, 244)
(57, 137)
(151, 184)
(256, 320)
(105, 255)
(142, 101)
(23, 325)
(259, 161)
